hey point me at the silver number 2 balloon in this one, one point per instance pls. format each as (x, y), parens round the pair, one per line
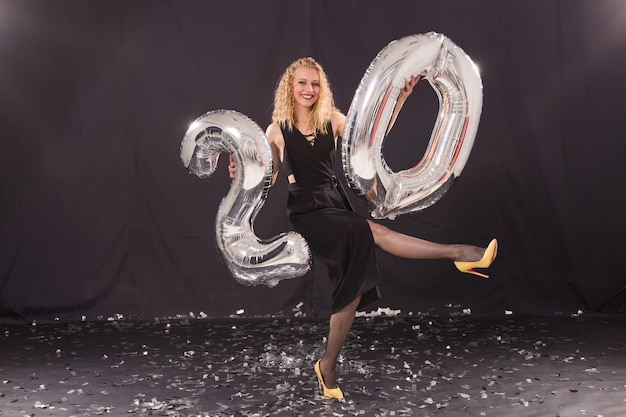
(250, 260)
(458, 85)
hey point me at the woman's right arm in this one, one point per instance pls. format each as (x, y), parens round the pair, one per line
(277, 145)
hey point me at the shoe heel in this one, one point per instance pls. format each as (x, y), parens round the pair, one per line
(485, 262)
(329, 393)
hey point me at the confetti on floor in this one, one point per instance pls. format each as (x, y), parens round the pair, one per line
(561, 366)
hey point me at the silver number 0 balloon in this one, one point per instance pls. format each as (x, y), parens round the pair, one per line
(458, 85)
(250, 260)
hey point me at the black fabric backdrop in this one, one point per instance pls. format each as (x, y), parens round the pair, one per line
(99, 217)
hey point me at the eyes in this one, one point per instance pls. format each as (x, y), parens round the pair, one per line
(303, 83)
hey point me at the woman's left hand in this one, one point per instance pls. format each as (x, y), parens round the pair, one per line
(406, 91)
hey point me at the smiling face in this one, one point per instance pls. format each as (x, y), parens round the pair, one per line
(306, 86)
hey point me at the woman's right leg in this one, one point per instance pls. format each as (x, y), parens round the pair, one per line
(340, 324)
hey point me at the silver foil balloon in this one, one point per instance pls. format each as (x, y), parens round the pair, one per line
(458, 85)
(250, 260)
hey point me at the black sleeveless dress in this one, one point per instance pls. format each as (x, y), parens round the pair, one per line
(319, 210)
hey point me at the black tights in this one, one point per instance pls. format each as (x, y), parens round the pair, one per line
(340, 324)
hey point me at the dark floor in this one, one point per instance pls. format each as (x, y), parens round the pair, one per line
(391, 366)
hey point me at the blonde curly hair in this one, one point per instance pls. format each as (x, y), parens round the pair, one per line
(284, 99)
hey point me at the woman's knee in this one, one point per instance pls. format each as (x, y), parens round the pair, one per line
(378, 231)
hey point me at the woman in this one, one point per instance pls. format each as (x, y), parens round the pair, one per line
(303, 137)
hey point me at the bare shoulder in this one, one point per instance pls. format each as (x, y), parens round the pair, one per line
(277, 144)
(338, 120)
(275, 136)
(273, 132)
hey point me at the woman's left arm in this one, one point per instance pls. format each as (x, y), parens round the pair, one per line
(338, 121)
(404, 94)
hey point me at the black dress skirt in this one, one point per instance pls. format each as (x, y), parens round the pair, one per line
(319, 210)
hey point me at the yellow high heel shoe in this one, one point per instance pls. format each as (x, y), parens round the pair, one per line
(331, 393)
(484, 262)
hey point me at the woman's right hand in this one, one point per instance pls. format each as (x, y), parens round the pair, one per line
(232, 167)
